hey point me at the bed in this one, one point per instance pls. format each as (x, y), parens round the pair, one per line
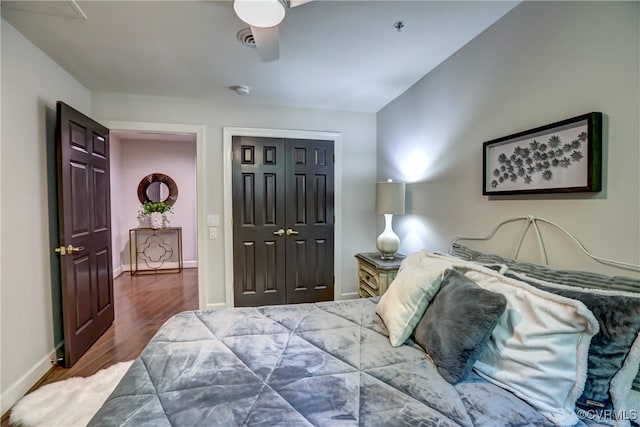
(399, 359)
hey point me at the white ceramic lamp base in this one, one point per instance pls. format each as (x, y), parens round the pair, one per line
(388, 242)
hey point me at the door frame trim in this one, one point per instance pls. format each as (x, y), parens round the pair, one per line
(228, 134)
(201, 217)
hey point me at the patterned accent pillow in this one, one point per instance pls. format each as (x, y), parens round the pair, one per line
(457, 324)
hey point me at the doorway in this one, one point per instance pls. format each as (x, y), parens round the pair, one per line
(186, 217)
(283, 233)
(142, 163)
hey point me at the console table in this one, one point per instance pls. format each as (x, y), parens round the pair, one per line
(155, 250)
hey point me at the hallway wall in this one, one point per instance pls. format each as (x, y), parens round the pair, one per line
(138, 158)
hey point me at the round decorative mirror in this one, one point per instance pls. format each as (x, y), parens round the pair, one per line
(158, 187)
(157, 191)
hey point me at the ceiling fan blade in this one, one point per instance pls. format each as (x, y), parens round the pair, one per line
(267, 42)
(294, 3)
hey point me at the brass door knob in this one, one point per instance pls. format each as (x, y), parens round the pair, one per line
(291, 232)
(63, 250)
(71, 249)
(279, 232)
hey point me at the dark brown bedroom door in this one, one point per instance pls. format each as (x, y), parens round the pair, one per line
(84, 220)
(283, 216)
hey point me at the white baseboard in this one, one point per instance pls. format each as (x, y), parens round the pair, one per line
(117, 271)
(348, 295)
(126, 267)
(221, 305)
(216, 306)
(25, 382)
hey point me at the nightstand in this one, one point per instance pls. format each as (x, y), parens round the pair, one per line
(376, 274)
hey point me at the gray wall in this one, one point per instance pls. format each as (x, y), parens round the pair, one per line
(357, 177)
(30, 297)
(28, 103)
(542, 62)
(136, 159)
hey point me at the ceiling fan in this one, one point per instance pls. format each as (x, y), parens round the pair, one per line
(263, 16)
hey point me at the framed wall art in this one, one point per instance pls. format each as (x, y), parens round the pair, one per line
(562, 157)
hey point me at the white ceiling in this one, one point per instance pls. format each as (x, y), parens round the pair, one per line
(340, 55)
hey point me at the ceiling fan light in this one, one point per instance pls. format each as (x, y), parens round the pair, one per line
(260, 13)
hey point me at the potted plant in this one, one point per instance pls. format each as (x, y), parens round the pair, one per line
(155, 211)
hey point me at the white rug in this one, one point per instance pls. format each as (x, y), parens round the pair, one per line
(71, 402)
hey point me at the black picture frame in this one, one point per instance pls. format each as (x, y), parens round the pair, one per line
(561, 157)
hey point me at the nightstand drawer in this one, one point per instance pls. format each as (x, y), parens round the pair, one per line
(364, 291)
(375, 274)
(368, 276)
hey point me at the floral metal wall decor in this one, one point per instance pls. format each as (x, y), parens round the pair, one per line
(562, 157)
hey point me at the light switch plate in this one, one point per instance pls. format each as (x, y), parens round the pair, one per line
(213, 220)
(213, 233)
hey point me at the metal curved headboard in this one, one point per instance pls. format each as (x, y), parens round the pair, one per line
(533, 221)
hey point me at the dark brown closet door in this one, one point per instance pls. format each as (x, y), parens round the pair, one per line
(258, 187)
(282, 220)
(310, 217)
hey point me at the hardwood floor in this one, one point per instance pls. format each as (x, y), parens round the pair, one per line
(142, 304)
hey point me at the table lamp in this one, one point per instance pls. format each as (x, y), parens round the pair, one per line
(389, 201)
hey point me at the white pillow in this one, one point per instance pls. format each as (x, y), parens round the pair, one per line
(401, 307)
(618, 326)
(538, 350)
(633, 402)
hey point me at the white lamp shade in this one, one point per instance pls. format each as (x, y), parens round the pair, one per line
(260, 13)
(390, 198)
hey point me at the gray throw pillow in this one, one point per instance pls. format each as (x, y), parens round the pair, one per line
(457, 324)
